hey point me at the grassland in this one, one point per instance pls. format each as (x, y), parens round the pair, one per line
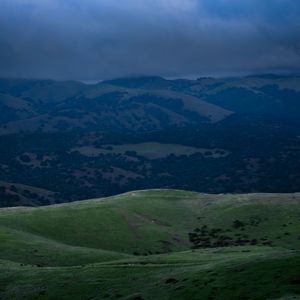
(151, 150)
(157, 244)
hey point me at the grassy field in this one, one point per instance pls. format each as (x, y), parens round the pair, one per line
(157, 244)
(151, 150)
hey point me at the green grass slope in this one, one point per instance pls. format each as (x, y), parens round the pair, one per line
(158, 244)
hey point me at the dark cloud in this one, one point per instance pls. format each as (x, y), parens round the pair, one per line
(99, 39)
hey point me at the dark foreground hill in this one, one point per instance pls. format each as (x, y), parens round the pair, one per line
(159, 244)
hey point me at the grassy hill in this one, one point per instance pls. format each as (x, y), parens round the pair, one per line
(155, 244)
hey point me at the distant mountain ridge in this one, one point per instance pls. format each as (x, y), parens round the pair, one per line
(145, 103)
(54, 106)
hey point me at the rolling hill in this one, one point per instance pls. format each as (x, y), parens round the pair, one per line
(142, 103)
(153, 244)
(50, 106)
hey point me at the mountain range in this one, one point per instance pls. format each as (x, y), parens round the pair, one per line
(65, 141)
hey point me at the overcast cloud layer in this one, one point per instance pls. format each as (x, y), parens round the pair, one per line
(100, 39)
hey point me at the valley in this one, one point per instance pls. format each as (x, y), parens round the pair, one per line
(71, 141)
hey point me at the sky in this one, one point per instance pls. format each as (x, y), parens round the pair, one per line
(102, 39)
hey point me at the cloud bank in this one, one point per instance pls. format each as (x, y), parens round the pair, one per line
(101, 39)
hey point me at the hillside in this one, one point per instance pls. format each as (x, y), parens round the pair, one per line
(155, 244)
(50, 106)
(70, 141)
(272, 95)
(142, 103)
